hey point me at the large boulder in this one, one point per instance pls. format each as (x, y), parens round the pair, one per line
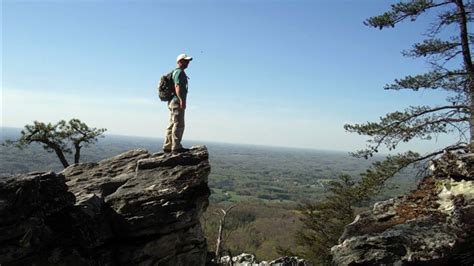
(134, 208)
(433, 225)
(26, 203)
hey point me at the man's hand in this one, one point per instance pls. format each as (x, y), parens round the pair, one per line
(182, 105)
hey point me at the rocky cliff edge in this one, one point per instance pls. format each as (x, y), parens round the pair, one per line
(134, 208)
(433, 225)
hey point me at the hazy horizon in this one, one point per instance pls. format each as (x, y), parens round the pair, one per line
(196, 142)
(264, 72)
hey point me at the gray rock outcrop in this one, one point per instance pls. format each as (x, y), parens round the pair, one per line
(132, 209)
(433, 225)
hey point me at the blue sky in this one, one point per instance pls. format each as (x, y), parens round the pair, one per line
(269, 72)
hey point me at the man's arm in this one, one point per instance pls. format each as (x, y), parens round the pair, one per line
(182, 102)
(176, 78)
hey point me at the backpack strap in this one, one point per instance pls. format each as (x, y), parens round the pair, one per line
(172, 73)
(172, 79)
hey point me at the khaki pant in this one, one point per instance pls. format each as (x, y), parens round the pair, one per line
(175, 130)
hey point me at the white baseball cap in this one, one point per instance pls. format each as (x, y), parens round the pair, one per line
(183, 57)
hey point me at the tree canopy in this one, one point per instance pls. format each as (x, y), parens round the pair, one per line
(450, 70)
(60, 138)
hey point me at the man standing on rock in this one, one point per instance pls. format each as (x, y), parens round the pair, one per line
(177, 106)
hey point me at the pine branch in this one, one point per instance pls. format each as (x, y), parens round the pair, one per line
(449, 80)
(402, 11)
(375, 177)
(397, 127)
(458, 146)
(431, 47)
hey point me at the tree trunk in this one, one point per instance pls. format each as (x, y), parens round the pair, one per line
(77, 155)
(61, 156)
(57, 149)
(219, 238)
(467, 65)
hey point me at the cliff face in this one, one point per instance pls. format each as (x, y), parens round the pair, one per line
(135, 208)
(433, 225)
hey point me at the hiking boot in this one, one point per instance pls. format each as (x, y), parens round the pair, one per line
(166, 151)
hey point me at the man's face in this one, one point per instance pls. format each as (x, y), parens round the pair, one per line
(183, 64)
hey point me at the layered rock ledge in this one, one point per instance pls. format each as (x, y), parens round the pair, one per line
(433, 225)
(136, 208)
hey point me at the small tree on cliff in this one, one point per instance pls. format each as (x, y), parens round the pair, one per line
(324, 221)
(59, 138)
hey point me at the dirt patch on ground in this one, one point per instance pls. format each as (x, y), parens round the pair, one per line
(419, 203)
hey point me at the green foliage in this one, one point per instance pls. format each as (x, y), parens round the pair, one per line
(375, 178)
(249, 173)
(263, 229)
(401, 11)
(452, 81)
(79, 133)
(48, 134)
(420, 122)
(60, 138)
(431, 47)
(324, 222)
(426, 122)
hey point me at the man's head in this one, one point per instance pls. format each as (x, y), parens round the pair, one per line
(183, 60)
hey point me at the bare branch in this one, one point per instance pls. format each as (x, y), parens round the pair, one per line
(220, 239)
(458, 146)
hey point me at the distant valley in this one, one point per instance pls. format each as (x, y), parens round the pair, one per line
(239, 172)
(266, 184)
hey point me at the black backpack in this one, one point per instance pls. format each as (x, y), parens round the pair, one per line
(166, 89)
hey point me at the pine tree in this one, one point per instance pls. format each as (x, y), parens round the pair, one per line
(324, 222)
(425, 122)
(59, 138)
